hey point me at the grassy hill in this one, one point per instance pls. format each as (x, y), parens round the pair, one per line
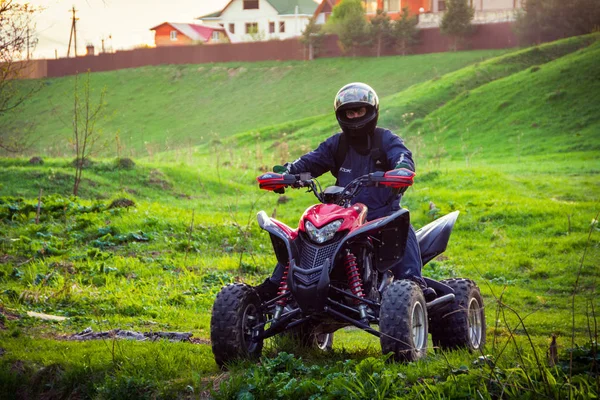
(154, 109)
(547, 109)
(524, 177)
(466, 112)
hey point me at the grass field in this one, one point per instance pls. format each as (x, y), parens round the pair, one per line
(511, 142)
(154, 109)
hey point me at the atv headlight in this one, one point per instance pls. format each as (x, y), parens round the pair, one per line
(323, 234)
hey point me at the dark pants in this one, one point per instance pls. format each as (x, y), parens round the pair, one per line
(407, 268)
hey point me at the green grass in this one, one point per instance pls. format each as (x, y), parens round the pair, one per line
(429, 115)
(549, 109)
(154, 109)
(527, 234)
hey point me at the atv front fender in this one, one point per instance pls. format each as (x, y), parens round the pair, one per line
(281, 238)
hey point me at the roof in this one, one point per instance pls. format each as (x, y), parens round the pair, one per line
(289, 6)
(322, 7)
(216, 14)
(193, 31)
(283, 7)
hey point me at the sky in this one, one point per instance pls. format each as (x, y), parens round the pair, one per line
(123, 24)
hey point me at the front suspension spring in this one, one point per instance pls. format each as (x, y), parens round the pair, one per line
(354, 279)
(283, 287)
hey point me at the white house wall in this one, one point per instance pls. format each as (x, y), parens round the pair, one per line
(484, 5)
(266, 13)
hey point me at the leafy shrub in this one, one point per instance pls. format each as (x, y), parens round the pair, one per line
(121, 203)
(83, 163)
(124, 163)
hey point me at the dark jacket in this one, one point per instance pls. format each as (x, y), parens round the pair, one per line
(381, 201)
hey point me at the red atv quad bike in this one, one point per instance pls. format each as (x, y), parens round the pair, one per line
(337, 274)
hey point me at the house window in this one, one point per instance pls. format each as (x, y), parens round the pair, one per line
(441, 5)
(250, 4)
(173, 35)
(392, 5)
(232, 28)
(271, 27)
(251, 28)
(370, 6)
(215, 36)
(282, 27)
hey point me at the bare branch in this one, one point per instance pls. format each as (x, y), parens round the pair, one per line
(16, 44)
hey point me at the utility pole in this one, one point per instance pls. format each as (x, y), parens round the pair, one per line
(73, 35)
(28, 55)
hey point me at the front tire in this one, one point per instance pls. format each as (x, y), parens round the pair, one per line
(403, 321)
(235, 314)
(462, 323)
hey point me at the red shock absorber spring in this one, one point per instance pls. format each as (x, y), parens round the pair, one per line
(283, 287)
(354, 280)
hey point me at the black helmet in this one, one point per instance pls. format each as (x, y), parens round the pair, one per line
(355, 95)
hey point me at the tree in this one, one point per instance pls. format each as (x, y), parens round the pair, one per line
(542, 20)
(312, 38)
(16, 45)
(456, 21)
(530, 21)
(85, 116)
(405, 31)
(348, 21)
(381, 30)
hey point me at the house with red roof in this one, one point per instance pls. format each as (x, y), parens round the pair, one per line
(178, 34)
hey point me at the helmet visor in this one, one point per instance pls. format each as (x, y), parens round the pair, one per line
(355, 96)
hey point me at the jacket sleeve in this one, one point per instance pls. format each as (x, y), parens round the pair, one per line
(318, 161)
(398, 155)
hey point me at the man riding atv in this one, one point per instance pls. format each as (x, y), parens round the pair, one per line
(360, 148)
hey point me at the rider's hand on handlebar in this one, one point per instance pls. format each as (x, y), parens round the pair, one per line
(281, 169)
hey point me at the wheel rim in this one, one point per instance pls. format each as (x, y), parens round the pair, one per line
(249, 321)
(323, 340)
(418, 326)
(475, 323)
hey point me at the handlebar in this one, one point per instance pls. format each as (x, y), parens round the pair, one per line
(395, 179)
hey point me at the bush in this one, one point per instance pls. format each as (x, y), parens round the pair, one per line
(84, 163)
(122, 203)
(124, 163)
(36, 161)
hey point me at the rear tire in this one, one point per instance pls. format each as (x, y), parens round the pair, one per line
(235, 313)
(462, 323)
(305, 337)
(403, 321)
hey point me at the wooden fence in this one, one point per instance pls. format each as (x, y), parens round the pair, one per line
(490, 36)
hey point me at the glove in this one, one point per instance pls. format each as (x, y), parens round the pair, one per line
(402, 165)
(400, 191)
(281, 169)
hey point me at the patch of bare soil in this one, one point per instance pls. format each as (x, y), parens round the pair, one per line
(6, 315)
(157, 178)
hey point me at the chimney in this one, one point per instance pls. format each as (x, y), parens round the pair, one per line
(89, 50)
